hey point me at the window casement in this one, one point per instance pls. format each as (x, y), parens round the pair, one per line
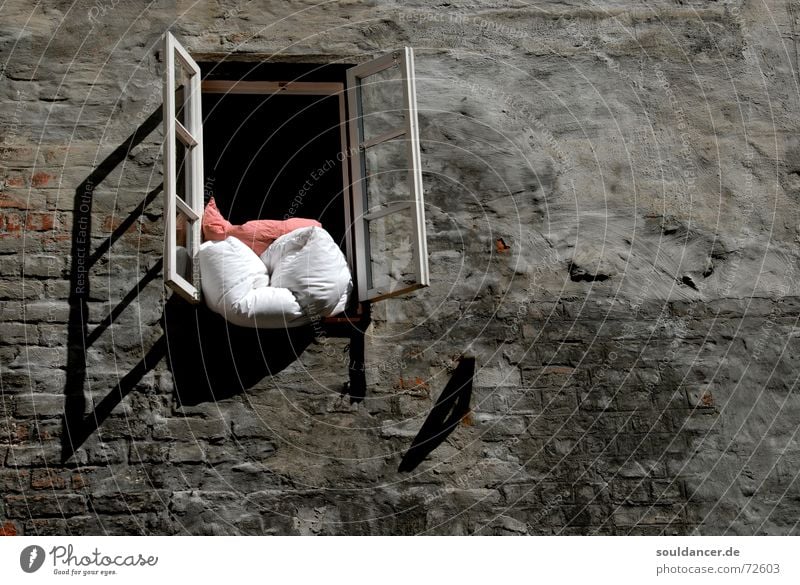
(388, 206)
(383, 231)
(183, 170)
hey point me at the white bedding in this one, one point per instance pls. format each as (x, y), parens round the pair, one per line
(302, 276)
(309, 263)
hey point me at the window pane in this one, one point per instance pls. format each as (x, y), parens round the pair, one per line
(386, 174)
(391, 254)
(181, 168)
(181, 94)
(184, 235)
(382, 102)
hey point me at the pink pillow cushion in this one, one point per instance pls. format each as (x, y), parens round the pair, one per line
(258, 234)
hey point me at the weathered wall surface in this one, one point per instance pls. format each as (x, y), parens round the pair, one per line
(612, 204)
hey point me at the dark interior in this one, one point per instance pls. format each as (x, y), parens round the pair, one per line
(274, 156)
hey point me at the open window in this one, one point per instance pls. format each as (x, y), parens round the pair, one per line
(388, 209)
(183, 170)
(339, 144)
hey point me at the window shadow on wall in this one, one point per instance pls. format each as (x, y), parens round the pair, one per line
(210, 359)
(451, 406)
(77, 425)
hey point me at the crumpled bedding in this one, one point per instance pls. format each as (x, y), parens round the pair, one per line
(302, 276)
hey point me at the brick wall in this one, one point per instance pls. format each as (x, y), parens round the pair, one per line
(612, 221)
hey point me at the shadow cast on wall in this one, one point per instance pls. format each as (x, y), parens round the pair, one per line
(451, 406)
(210, 359)
(77, 425)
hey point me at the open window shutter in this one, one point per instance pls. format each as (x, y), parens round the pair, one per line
(183, 170)
(388, 206)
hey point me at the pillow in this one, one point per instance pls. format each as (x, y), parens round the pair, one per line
(258, 234)
(309, 263)
(235, 285)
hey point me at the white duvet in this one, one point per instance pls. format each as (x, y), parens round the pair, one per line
(302, 276)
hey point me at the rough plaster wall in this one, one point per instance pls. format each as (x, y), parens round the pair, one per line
(612, 226)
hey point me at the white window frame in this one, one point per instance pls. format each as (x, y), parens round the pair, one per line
(192, 139)
(355, 205)
(405, 61)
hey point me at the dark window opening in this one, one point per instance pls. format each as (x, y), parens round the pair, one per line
(275, 156)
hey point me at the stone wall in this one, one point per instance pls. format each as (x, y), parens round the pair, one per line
(612, 226)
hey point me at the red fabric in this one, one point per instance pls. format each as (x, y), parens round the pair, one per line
(258, 233)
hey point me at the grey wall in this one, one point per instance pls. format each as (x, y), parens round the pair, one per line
(612, 226)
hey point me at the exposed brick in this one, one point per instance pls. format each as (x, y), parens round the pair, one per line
(492, 426)
(128, 503)
(585, 515)
(46, 311)
(597, 398)
(122, 524)
(8, 529)
(40, 179)
(43, 266)
(9, 353)
(551, 376)
(41, 357)
(635, 515)
(13, 480)
(559, 401)
(186, 453)
(51, 335)
(123, 427)
(46, 454)
(497, 376)
(217, 455)
(24, 199)
(78, 481)
(10, 266)
(41, 405)
(10, 311)
(99, 452)
(190, 429)
(630, 491)
(18, 333)
(16, 243)
(46, 381)
(514, 401)
(42, 505)
(42, 479)
(17, 155)
(11, 221)
(48, 527)
(148, 452)
(667, 491)
(21, 289)
(40, 222)
(57, 289)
